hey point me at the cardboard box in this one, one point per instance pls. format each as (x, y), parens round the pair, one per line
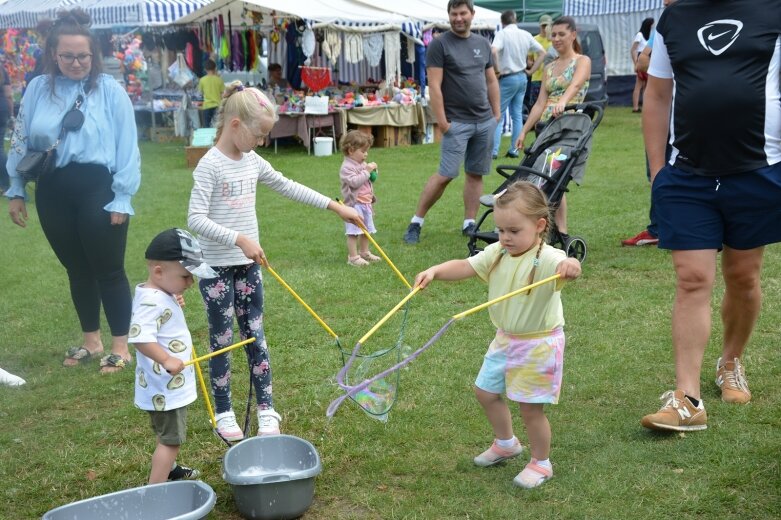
(194, 154)
(390, 136)
(368, 130)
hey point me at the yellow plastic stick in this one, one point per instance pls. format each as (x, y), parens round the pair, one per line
(302, 302)
(504, 297)
(382, 253)
(385, 318)
(218, 352)
(204, 391)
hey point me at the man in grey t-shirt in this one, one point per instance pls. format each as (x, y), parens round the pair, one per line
(464, 96)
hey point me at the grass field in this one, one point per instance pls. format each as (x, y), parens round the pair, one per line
(72, 433)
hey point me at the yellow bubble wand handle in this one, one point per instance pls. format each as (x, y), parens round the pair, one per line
(218, 352)
(385, 318)
(297, 297)
(204, 391)
(504, 297)
(382, 253)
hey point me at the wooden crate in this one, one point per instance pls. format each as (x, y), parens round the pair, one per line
(194, 154)
(164, 134)
(390, 136)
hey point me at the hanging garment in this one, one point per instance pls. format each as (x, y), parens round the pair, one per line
(332, 45)
(188, 55)
(316, 78)
(353, 48)
(372, 48)
(392, 58)
(410, 50)
(308, 43)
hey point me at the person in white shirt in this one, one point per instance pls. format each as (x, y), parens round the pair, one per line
(164, 386)
(511, 47)
(222, 213)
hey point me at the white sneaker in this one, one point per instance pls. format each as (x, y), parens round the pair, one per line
(268, 422)
(227, 427)
(7, 378)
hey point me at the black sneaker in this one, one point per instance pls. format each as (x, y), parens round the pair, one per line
(183, 473)
(412, 236)
(469, 230)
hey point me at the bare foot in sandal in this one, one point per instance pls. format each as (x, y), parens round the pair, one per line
(113, 363)
(78, 355)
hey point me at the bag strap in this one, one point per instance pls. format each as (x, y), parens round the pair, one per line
(76, 106)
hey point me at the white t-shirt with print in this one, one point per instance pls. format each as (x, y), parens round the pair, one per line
(157, 318)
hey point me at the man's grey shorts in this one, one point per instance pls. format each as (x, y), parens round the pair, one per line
(470, 143)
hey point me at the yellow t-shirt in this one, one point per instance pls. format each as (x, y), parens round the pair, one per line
(546, 43)
(540, 311)
(211, 85)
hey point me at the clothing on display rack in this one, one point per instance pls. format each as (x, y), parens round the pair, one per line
(316, 78)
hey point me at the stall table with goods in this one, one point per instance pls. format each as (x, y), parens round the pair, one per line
(391, 124)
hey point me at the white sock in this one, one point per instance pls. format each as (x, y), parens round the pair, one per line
(467, 221)
(506, 443)
(417, 220)
(545, 464)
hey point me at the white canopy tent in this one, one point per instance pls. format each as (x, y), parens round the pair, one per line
(342, 16)
(618, 22)
(433, 13)
(342, 13)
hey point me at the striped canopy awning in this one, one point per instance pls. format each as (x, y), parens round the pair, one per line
(25, 14)
(601, 7)
(108, 13)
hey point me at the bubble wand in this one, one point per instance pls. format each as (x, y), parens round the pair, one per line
(351, 391)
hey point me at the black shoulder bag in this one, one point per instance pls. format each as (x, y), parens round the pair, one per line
(35, 164)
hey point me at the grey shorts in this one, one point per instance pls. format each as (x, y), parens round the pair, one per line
(470, 143)
(170, 426)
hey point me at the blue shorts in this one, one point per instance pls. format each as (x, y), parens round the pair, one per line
(471, 143)
(740, 211)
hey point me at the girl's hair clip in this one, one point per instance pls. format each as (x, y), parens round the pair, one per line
(536, 262)
(496, 196)
(239, 88)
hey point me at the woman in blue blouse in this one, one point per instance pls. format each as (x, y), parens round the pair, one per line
(84, 204)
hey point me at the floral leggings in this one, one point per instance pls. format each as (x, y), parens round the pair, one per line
(237, 290)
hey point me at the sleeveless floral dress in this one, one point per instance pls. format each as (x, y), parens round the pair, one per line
(556, 86)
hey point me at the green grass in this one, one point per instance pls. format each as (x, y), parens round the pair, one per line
(71, 434)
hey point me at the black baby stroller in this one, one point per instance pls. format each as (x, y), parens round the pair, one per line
(557, 156)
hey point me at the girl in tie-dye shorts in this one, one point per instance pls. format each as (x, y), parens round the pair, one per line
(526, 357)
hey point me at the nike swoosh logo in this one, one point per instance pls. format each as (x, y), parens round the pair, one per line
(714, 36)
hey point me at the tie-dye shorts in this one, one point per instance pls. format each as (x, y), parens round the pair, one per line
(527, 369)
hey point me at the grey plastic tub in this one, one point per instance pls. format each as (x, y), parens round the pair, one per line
(180, 500)
(272, 477)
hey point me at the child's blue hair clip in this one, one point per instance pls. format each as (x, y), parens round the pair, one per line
(536, 262)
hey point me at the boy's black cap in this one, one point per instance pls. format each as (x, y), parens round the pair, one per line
(178, 245)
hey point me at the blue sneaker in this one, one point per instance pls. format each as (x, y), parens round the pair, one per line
(412, 236)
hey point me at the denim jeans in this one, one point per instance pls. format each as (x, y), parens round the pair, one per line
(512, 90)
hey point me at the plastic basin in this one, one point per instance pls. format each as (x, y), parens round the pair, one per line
(180, 500)
(272, 477)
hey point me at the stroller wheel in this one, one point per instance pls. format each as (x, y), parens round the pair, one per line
(575, 247)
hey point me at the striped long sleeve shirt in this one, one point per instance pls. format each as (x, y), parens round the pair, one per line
(222, 202)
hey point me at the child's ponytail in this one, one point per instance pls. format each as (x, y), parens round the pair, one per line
(248, 104)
